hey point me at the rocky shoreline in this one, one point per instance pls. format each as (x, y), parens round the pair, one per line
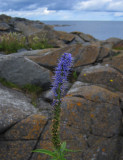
(92, 110)
(61, 25)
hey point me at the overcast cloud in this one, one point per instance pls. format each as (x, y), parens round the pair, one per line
(64, 9)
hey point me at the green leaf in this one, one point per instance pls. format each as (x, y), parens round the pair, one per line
(63, 159)
(75, 74)
(50, 153)
(63, 146)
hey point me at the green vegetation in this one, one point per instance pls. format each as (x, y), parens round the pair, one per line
(116, 53)
(118, 48)
(12, 42)
(38, 43)
(57, 154)
(30, 89)
(33, 91)
(34, 101)
(73, 77)
(8, 84)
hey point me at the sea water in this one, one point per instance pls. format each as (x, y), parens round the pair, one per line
(101, 30)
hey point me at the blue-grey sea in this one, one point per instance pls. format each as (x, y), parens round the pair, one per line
(101, 30)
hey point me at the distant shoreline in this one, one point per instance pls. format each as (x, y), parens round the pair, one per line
(62, 25)
(101, 30)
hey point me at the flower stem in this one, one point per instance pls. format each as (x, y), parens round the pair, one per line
(55, 129)
(56, 123)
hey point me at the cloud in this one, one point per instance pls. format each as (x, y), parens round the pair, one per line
(62, 5)
(3, 5)
(118, 14)
(92, 5)
(50, 4)
(85, 5)
(102, 5)
(64, 10)
(32, 6)
(116, 6)
(29, 13)
(43, 14)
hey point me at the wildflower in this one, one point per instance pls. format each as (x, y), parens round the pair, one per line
(60, 79)
(59, 88)
(111, 80)
(92, 115)
(84, 74)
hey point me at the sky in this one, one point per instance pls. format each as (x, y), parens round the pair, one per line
(101, 10)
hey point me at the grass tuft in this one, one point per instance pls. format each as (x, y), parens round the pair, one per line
(31, 89)
(39, 43)
(12, 42)
(7, 83)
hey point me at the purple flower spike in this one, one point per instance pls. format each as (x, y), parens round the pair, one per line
(61, 73)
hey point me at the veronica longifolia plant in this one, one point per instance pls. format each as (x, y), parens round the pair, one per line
(59, 87)
(60, 79)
